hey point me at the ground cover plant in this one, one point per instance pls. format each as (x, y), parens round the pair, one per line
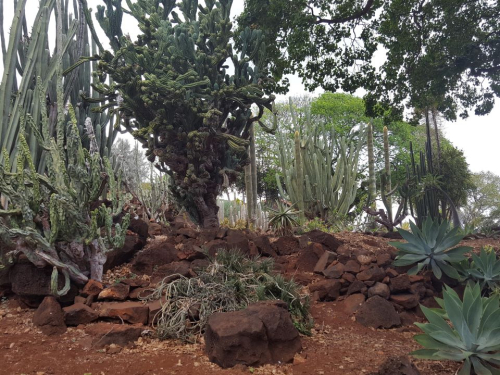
(229, 283)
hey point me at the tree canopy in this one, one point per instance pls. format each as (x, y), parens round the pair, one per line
(439, 53)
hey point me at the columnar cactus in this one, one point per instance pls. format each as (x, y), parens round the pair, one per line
(320, 171)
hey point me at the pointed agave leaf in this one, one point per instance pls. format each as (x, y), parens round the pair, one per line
(465, 369)
(479, 368)
(436, 270)
(425, 354)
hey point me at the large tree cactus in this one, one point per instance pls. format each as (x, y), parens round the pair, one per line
(174, 92)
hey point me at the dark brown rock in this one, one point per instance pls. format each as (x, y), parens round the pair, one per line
(116, 257)
(215, 246)
(326, 290)
(418, 289)
(407, 300)
(326, 239)
(334, 271)
(384, 259)
(326, 258)
(154, 229)
(357, 287)
(139, 227)
(171, 271)
(377, 312)
(92, 288)
(49, 317)
(262, 333)
(264, 246)
(400, 283)
(79, 314)
(286, 245)
(349, 277)
(379, 289)
(106, 334)
(371, 274)
(135, 282)
(117, 292)
(344, 254)
(397, 365)
(28, 280)
(188, 232)
(156, 253)
(352, 266)
(139, 293)
(131, 312)
(353, 302)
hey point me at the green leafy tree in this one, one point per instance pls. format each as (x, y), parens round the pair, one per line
(482, 210)
(174, 91)
(440, 54)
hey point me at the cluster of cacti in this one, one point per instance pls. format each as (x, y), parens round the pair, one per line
(319, 169)
(234, 213)
(381, 216)
(174, 92)
(156, 198)
(28, 56)
(50, 184)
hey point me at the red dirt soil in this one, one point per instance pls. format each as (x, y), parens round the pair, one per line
(338, 346)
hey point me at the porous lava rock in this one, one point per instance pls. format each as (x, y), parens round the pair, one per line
(117, 292)
(104, 334)
(286, 245)
(156, 253)
(131, 312)
(397, 365)
(262, 333)
(79, 313)
(377, 312)
(326, 290)
(49, 317)
(323, 238)
(171, 271)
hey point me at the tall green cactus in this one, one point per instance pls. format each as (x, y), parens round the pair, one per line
(329, 167)
(53, 216)
(28, 55)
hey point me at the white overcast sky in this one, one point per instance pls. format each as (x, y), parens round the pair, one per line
(477, 136)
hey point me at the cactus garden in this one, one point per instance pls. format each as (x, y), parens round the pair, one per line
(172, 200)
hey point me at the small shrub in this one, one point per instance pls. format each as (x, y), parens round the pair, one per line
(229, 283)
(483, 269)
(283, 219)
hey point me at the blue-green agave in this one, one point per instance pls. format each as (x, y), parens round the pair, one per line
(431, 247)
(473, 336)
(484, 269)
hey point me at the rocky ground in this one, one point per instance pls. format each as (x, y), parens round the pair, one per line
(363, 310)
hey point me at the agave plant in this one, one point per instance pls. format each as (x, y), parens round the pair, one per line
(483, 269)
(283, 219)
(432, 247)
(472, 337)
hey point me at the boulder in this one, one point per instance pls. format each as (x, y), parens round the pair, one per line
(344, 254)
(326, 290)
(397, 365)
(400, 283)
(384, 259)
(49, 317)
(216, 246)
(139, 227)
(377, 312)
(326, 258)
(334, 271)
(117, 292)
(286, 245)
(92, 288)
(262, 333)
(171, 271)
(116, 257)
(29, 280)
(131, 312)
(156, 253)
(357, 287)
(406, 300)
(264, 246)
(379, 289)
(189, 232)
(324, 238)
(352, 266)
(79, 314)
(353, 303)
(106, 334)
(371, 274)
(135, 282)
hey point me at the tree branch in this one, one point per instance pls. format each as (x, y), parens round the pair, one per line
(360, 13)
